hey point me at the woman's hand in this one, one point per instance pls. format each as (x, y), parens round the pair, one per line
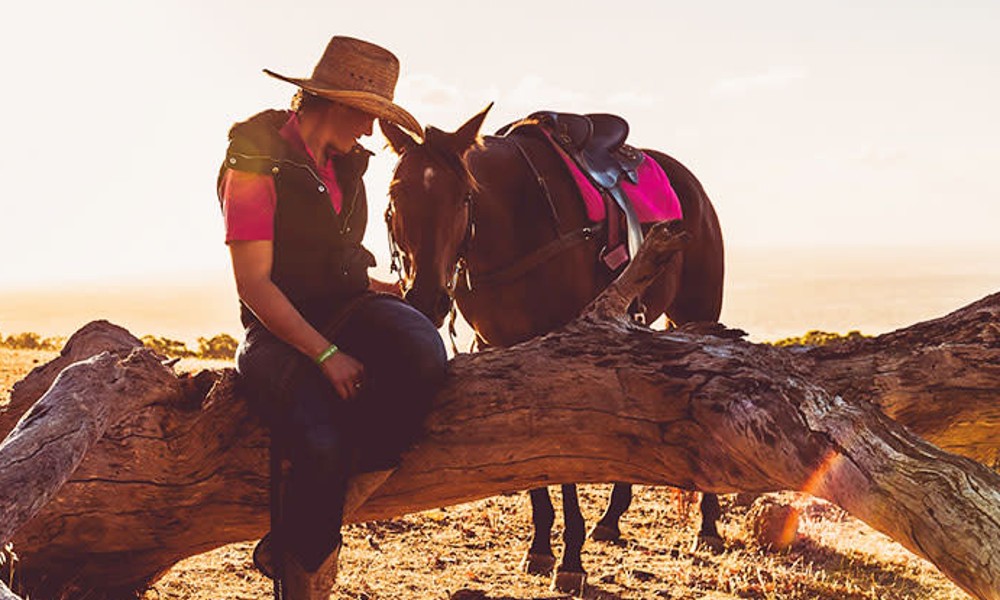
(252, 262)
(346, 374)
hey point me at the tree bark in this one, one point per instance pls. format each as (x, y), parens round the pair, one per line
(600, 400)
(6, 594)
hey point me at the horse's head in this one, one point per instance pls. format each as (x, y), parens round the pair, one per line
(429, 215)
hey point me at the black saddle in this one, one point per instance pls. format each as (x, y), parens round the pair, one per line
(595, 141)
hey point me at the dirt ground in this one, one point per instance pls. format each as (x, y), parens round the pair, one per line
(473, 551)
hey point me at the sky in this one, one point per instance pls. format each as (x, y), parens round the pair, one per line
(829, 123)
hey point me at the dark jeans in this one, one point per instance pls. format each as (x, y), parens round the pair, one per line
(328, 439)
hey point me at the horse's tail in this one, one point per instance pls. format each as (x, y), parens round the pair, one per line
(700, 295)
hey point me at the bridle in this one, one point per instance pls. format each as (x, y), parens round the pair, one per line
(397, 263)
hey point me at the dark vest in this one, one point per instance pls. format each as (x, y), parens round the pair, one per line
(319, 262)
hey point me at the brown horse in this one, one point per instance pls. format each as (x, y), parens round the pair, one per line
(497, 225)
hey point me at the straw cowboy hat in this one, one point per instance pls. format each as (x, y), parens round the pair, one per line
(358, 74)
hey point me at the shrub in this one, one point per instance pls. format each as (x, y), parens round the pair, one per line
(220, 346)
(820, 338)
(167, 346)
(31, 341)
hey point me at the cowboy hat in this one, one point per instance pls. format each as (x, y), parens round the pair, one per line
(358, 74)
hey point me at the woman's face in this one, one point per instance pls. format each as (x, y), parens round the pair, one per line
(345, 126)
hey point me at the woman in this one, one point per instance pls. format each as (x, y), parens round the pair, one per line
(342, 371)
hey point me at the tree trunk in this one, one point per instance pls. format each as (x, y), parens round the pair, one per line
(184, 471)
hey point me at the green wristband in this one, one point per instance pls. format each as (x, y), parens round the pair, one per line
(322, 356)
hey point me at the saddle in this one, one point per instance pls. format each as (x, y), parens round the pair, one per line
(596, 143)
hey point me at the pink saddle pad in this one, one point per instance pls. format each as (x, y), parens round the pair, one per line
(653, 198)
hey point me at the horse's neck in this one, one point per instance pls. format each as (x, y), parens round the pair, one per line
(529, 282)
(513, 212)
(512, 217)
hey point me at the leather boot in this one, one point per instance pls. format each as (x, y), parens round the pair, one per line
(299, 584)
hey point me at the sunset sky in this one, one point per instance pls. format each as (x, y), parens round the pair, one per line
(809, 122)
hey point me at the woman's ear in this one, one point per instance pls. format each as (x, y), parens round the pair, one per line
(399, 140)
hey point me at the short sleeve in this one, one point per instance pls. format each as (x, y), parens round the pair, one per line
(248, 204)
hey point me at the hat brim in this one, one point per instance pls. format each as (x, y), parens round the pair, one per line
(368, 102)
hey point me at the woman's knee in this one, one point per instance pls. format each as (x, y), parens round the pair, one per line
(427, 365)
(421, 353)
(412, 349)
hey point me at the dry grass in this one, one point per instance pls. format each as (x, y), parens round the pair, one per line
(15, 364)
(472, 551)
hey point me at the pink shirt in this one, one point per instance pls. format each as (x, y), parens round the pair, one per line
(249, 199)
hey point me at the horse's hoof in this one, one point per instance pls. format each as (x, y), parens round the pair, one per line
(603, 533)
(538, 564)
(711, 543)
(568, 582)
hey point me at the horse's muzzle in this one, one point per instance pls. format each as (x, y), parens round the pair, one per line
(434, 304)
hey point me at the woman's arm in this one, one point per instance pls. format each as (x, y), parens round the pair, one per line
(252, 262)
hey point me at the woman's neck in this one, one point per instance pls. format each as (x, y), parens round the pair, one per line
(314, 136)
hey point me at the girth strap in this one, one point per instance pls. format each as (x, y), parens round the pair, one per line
(520, 268)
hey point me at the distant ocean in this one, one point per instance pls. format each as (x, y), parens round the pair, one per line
(777, 293)
(770, 292)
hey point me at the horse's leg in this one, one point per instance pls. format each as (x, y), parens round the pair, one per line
(663, 293)
(655, 300)
(570, 576)
(539, 560)
(708, 535)
(607, 528)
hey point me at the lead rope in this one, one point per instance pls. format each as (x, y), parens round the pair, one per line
(394, 256)
(460, 267)
(453, 311)
(452, 333)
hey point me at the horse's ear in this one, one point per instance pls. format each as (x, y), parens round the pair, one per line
(399, 140)
(467, 135)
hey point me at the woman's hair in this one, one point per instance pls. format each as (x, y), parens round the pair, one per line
(304, 102)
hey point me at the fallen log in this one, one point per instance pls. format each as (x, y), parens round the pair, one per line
(600, 400)
(6, 594)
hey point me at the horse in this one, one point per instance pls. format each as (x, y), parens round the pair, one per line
(495, 225)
